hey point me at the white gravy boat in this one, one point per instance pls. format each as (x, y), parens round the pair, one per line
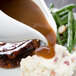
(12, 30)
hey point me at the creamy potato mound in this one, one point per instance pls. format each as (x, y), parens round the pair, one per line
(63, 64)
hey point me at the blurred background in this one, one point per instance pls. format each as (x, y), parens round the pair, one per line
(60, 3)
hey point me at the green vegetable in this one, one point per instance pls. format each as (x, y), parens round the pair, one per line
(75, 32)
(65, 34)
(63, 13)
(51, 7)
(55, 18)
(68, 7)
(65, 21)
(70, 31)
(64, 16)
(64, 41)
(59, 39)
(58, 19)
(60, 23)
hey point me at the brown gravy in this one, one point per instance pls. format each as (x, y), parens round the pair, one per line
(29, 13)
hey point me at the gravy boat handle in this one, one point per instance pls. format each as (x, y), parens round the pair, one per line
(12, 30)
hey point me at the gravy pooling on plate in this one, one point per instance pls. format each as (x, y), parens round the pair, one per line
(27, 12)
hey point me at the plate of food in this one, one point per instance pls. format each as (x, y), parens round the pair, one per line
(56, 57)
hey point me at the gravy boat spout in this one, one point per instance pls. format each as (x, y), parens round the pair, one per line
(12, 30)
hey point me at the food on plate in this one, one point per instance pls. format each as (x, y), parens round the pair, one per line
(67, 34)
(63, 64)
(12, 53)
(47, 60)
(61, 29)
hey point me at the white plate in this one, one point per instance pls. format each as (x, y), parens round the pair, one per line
(10, 72)
(16, 71)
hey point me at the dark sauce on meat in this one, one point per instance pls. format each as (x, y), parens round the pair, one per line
(12, 53)
(27, 12)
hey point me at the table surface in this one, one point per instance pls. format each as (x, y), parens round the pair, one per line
(60, 3)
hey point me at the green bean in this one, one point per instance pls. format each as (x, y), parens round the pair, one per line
(51, 8)
(63, 13)
(64, 41)
(60, 23)
(75, 32)
(70, 31)
(59, 39)
(65, 22)
(58, 19)
(68, 7)
(64, 17)
(65, 34)
(55, 18)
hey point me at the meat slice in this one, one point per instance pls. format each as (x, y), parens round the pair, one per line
(12, 53)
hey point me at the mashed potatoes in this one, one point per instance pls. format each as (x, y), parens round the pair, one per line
(63, 64)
